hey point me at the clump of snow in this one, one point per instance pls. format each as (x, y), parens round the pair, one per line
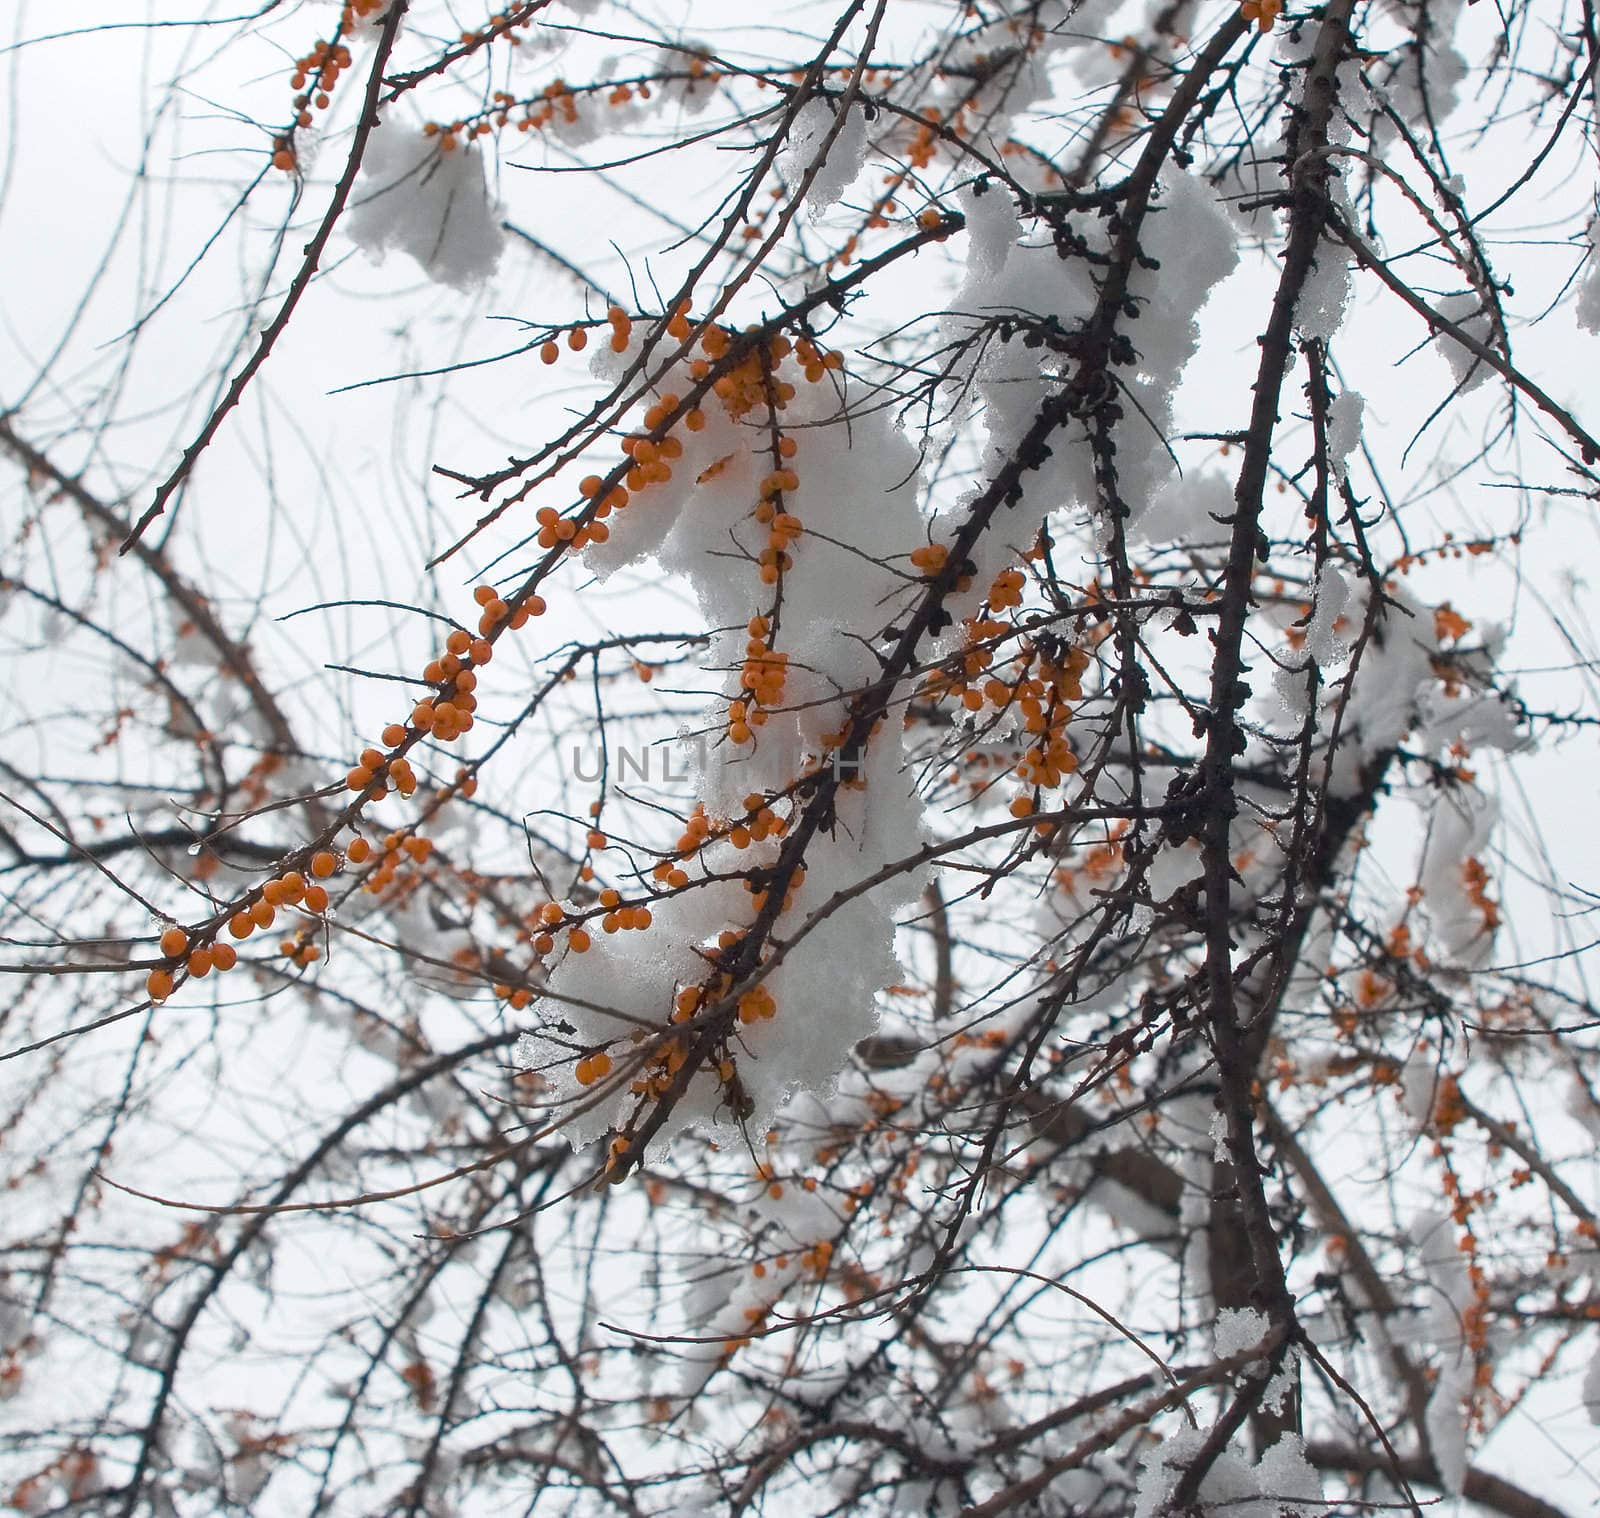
(1588, 309)
(1173, 868)
(1450, 1287)
(1189, 247)
(1325, 293)
(1283, 1483)
(1446, 1421)
(1459, 830)
(1419, 1087)
(1186, 509)
(1591, 1389)
(804, 146)
(1345, 413)
(857, 497)
(1239, 1329)
(1581, 1105)
(417, 198)
(1323, 643)
(1467, 311)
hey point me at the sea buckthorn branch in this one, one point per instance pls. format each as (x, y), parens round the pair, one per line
(1569, 424)
(598, 420)
(297, 286)
(1143, 52)
(711, 1025)
(182, 706)
(736, 348)
(1095, 352)
(133, 1489)
(1224, 1026)
(235, 656)
(501, 24)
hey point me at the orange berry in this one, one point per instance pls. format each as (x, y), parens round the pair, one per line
(241, 925)
(316, 899)
(323, 864)
(224, 956)
(549, 353)
(359, 851)
(262, 914)
(158, 985)
(200, 963)
(578, 940)
(173, 942)
(459, 641)
(577, 339)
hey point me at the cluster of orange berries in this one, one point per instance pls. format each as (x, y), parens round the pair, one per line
(620, 916)
(1099, 862)
(288, 890)
(300, 951)
(492, 612)
(550, 916)
(757, 1005)
(314, 78)
(592, 1067)
(577, 341)
(198, 961)
(621, 328)
(763, 823)
(556, 99)
(1475, 879)
(783, 527)
(517, 996)
(448, 712)
(758, 896)
(763, 675)
(397, 848)
(1262, 12)
(372, 763)
(932, 558)
(1006, 591)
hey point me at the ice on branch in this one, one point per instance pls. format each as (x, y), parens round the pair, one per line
(423, 198)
